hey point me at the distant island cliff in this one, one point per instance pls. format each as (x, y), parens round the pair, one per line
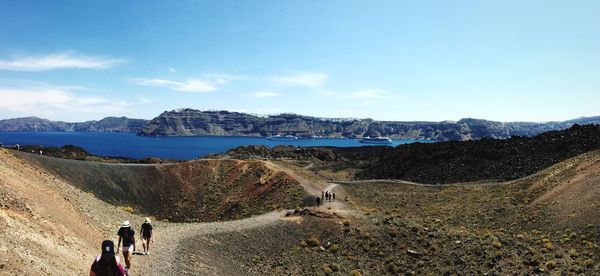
(191, 122)
(108, 124)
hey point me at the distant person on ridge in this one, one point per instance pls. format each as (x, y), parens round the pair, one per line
(127, 235)
(318, 202)
(333, 196)
(146, 235)
(107, 264)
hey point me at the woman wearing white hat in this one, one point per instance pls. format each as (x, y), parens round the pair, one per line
(146, 235)
(127, 235)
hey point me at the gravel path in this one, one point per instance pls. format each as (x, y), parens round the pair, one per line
(170, 240)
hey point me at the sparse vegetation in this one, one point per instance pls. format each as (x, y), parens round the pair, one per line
(387, 227)
(312, 241)
(355, 273)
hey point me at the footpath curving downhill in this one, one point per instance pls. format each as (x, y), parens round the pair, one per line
(171, 238)
(171, 241)
(47, 220)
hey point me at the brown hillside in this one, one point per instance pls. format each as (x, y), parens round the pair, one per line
(202, 190)
(571, 190)
(48, 227)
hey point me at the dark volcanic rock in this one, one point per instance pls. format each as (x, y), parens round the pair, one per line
(505, 159)
(448, 162)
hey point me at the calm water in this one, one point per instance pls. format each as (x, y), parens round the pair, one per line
(176, 148)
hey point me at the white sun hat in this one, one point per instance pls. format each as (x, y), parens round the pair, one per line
(126, 224)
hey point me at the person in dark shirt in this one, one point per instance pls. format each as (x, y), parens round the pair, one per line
(127, 235)
(107, 264)
(146, 235)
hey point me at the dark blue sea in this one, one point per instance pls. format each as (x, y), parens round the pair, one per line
(174, 148)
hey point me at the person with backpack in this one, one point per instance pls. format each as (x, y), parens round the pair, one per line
(107, 263)
(146, 235)
(127, 235)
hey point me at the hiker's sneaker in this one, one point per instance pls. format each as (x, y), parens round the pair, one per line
(148, 253)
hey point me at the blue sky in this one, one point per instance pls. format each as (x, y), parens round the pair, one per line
(387, 60)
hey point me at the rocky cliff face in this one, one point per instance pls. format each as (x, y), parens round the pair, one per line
(112, 124)
(108, 124)
(189, 122)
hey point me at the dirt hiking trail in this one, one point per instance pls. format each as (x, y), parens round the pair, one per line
(170, 240)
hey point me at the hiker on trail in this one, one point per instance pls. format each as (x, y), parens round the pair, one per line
(107, 264)
(127, 235)
(322, 195)
(333, 196)
(327, 195)
(146, 236)
(318, 202)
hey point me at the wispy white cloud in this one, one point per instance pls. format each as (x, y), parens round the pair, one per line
(64, 60)
(264, 94)
(303, 79)
(225, 78)
(172, 70)
(190, 85)
(58, 101)
(369, 94)
(364, 96)
(212, 82)
(327, 93)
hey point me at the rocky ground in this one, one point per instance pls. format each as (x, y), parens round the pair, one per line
(202, 190)
(444, 162)
(412, 229)
(79, 153)
(546, 223)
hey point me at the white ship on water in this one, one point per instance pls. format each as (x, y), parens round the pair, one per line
(280, 137)
(376, 140)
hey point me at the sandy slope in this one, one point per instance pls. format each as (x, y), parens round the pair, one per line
(571, 190)
(48, 226)
(58, 227)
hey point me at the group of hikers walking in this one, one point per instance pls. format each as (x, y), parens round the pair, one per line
(325, 196)
(108, 263)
